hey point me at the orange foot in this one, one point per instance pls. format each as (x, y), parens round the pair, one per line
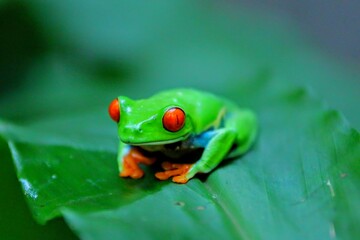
(175, 170)
(131, 164)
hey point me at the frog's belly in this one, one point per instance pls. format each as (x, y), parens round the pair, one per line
(173, 150)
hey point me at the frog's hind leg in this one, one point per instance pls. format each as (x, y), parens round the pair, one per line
(239, 129)
(217, 144)
(245, 124)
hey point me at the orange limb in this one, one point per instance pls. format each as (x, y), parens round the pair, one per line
(176, 170)
(131, 164)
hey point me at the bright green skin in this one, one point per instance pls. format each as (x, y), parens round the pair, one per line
(211, 122)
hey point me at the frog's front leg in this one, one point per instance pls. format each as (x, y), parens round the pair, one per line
(217, 144)
(128, 161)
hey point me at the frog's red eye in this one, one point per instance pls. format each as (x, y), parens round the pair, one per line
(173, 119)
(114, 110)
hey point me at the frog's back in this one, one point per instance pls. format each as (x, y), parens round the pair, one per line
(188, 96)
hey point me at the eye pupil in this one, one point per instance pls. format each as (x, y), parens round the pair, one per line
(174, 119)
(114, 110)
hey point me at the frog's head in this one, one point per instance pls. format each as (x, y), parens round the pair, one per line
(148, 122)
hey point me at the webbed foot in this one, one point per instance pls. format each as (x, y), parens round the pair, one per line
(176, 170)
(131, 164)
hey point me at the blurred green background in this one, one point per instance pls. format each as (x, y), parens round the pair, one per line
(50, 48)
(60, 57)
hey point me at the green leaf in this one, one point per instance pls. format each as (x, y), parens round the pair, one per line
(299, 181)
(189, 42)
(16, 221)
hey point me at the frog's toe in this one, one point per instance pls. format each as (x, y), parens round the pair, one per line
(167, 166)
(125, 173)
(138, 173)
(180, 179)
(167, 174)
(126, 170)
(133, 173)
(162, 175)
(175, 170)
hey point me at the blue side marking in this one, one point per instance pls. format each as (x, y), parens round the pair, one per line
(203, 139)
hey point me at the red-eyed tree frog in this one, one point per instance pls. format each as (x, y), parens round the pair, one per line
(177, 121)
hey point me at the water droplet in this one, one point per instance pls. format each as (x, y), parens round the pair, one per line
(181, 204)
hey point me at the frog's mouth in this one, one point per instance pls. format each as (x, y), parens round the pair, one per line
(155, 143)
